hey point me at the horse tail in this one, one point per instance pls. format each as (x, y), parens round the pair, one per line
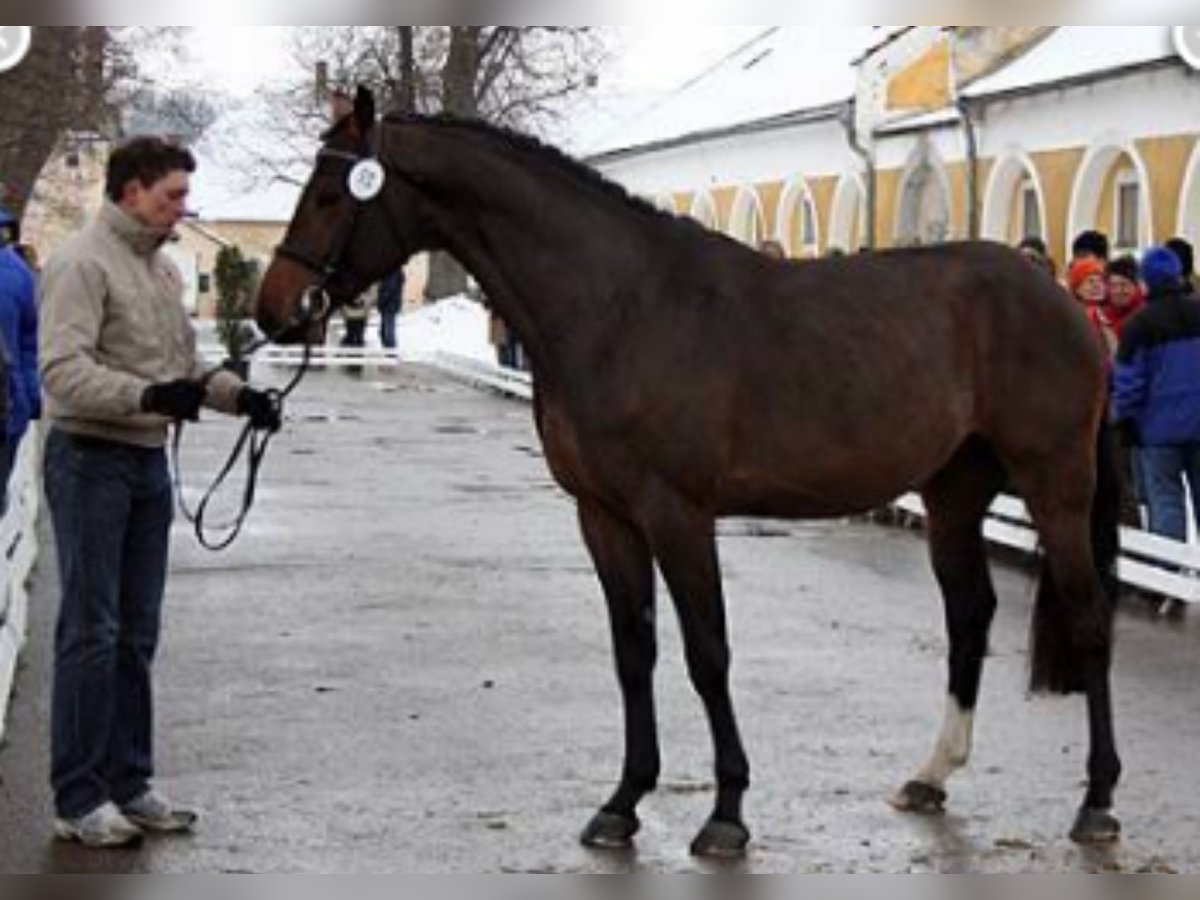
(1057, 657)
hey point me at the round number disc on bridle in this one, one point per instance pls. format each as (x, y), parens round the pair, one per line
(366, 180)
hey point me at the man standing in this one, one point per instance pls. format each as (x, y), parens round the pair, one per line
(391, 300)
(1156, 395)
(119, 364)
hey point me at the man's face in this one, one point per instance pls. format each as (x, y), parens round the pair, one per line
(162, 205)
(1121, 291)
(1094, 291)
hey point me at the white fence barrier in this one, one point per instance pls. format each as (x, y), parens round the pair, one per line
(1148, 563)
(18, 554)
(325, 356)
(481, 374)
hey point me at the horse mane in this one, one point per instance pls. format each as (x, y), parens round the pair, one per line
(529, 145)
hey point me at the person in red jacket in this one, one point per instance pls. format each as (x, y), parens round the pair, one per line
(1125, 299)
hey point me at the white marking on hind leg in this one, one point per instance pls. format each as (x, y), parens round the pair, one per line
(954, 747)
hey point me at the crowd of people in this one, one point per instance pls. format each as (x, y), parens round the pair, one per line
(1146, 316)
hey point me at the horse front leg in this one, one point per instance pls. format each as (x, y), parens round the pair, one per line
(684, 543)
(622, 559)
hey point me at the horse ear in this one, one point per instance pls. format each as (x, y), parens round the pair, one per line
(340, 106)
(364, 109)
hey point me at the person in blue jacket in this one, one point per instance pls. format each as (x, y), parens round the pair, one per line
(19, 328)
(1156, 395)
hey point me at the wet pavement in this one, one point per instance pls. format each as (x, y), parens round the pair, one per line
(403, 666)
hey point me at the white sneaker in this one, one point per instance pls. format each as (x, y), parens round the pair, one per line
(102, 829)
(154, 813)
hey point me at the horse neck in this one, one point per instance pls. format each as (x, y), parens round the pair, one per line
(538, 239)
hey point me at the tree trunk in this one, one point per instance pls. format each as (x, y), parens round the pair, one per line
(408, 69)
(31, 127)
(447, 278)
(61, 87)
(461, 75)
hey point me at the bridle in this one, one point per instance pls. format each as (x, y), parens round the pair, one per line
(314, 308)
(315, 304)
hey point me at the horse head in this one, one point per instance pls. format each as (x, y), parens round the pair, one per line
(347, 233)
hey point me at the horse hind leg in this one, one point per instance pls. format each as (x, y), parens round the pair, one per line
(957, 501)
(1073, 621)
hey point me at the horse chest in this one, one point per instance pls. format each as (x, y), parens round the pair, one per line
(581, 460)
(565, 450)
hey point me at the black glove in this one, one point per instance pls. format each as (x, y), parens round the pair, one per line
(180, 400)
(262, 408)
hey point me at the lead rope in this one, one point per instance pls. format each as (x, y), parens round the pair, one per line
(256, 441)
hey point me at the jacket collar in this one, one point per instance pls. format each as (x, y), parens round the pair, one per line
(143, 240)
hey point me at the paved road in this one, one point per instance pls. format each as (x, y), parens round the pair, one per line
(403, 666)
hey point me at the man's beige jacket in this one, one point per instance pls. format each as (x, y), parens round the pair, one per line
(112, 324)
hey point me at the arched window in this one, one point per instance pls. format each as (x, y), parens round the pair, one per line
(704, 210)
(1111, 194)
(1014, 205)
(847, 229)
(748, 223)
(799, 227)
(924, 202)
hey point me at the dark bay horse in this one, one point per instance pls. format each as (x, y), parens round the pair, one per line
(682, 378)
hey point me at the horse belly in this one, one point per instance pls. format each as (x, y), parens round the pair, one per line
(808, 499)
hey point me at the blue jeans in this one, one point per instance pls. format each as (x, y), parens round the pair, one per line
(387, 330)
(112, 506)
(1164, 472)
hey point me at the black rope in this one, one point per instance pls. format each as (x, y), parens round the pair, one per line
(255, 441)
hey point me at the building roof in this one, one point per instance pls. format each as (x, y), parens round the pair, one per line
(204, 231)
(1077, 52)
(769, 81)
(782, 71)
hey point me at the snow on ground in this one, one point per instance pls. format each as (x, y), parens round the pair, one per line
(457, 325)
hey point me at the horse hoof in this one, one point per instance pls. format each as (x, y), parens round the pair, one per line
(1096, 827)
(722, 842)
(609, 831)
(921, 799)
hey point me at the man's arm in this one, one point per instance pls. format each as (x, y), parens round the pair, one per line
(1130, 381)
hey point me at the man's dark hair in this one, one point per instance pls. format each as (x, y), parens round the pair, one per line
(145, 159)
(1186, 253)
(1091, 243)
(1126, 267)
(1034, 244)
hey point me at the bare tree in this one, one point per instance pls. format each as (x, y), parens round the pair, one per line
(179, 113)
(517, 76)
(75, 80)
